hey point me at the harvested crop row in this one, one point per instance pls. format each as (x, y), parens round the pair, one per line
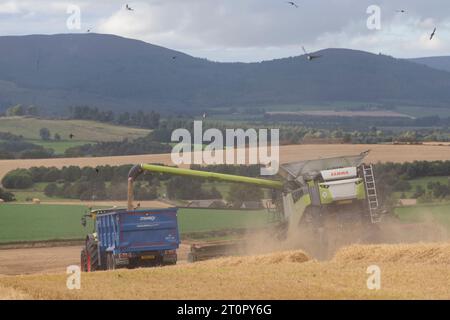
(266, 259)
(284, 275)
(404, 253)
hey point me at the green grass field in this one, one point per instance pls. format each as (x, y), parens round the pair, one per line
(28, 222)
(84, 131)
(439, 213)
(59, 146)
(197, 220)
(423, 182)
(36, 191)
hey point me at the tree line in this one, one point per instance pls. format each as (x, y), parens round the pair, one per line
(141, 119)
(394, 177)
(14, 147)
(20, 110)
(110, 183)
(143, 145)
(358, 122)
(6, 196)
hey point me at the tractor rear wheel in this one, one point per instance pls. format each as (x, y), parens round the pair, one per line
(92, 255)
(83, 260)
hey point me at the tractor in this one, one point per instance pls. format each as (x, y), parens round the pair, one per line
(130, 239)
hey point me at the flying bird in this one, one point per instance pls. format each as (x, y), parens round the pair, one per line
(129, 8)
(432, 34)
(310, 57)
(401, 11)
(292, 4)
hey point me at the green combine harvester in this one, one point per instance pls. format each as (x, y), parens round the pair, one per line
(327, 202)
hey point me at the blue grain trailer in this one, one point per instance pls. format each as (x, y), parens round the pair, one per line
(136, 238)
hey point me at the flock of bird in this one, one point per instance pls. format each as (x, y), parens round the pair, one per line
(309, 56)
(127, 8)
(434, 30)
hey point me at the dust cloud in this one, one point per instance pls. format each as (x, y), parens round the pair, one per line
(323, 244)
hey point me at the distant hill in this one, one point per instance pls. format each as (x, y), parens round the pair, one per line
(439, 63)
(108, 71)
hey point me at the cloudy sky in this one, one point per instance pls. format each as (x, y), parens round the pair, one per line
(246, 30)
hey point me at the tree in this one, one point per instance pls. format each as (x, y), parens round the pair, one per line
(71, 173)
(6, 155)
(37, 154)
(17, 179)
(240, 192)
(143, 193)
(52, 175)
(51, 190)
(45, 134)
(32, 111)
(184, 188)
(402, 186)
(420, 191)
(347, 138)
(6, 196)
(440, 190)
(17, 110)
(117, 191)
(214, 193)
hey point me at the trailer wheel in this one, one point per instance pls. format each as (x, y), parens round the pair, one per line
(110, 261)
(83, 260)
(92, 255)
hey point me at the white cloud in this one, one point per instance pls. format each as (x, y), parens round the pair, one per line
(9, 7)
(246, 30)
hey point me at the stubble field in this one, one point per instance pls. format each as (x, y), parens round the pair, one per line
(415, 271)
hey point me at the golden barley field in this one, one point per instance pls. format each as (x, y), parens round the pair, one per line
(408, 271)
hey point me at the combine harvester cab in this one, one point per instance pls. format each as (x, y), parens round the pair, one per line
(131, 239)
(332, 183)
(333, 200)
